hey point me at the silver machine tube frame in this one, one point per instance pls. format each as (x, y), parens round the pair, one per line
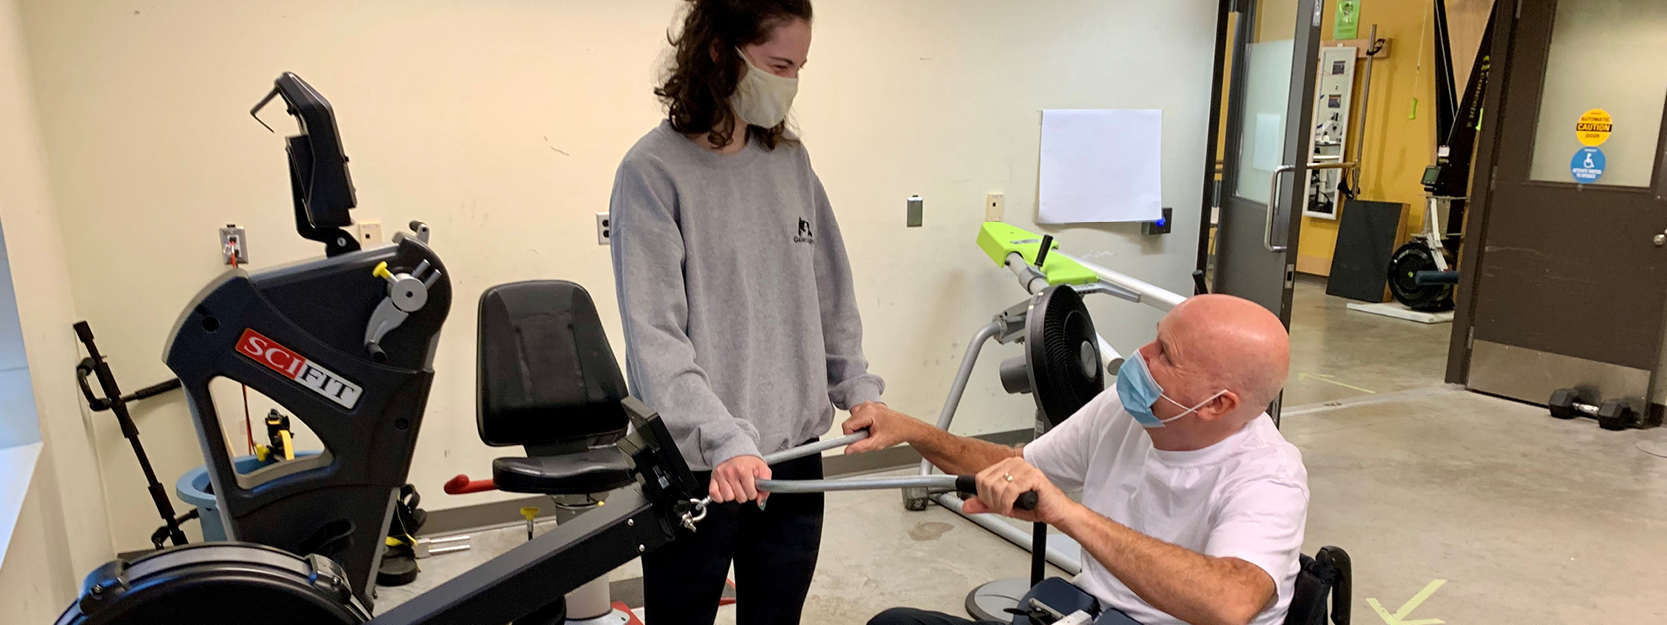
(1068, 562)
(1145, 292)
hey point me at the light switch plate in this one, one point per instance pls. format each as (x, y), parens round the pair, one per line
(917, 206)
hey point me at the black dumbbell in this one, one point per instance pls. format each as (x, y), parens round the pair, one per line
(1566, 403)
(1615, 414)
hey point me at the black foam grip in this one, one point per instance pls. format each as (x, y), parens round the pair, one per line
(968, 485)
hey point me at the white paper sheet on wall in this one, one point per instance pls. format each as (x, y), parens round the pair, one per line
(1100, 165)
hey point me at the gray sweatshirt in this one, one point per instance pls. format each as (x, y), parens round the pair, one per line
(741, 325)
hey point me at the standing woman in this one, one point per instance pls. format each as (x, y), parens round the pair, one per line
(741, 325)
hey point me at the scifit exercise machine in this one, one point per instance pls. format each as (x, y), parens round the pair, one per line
(346, 344)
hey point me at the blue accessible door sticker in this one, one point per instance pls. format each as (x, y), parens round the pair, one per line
(1587, 165)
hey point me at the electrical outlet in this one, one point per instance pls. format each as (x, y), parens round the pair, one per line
(917, 206)
(995, 204)
(604, 229)
(234, 242)
(369, 232)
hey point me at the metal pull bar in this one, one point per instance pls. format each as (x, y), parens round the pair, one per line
(933, 483)
(966, 484)
(792, 453)
(1273, 198)
(814, 448)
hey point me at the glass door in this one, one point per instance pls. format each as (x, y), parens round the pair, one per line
(1274, 50)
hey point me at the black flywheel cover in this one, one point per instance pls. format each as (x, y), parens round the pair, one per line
(216, 583)
(1062, 353)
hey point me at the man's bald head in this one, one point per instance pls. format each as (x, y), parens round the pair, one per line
(1225, 342)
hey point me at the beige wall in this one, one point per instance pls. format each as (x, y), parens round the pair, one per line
(37, 576)
(501, 122)
(62, 531)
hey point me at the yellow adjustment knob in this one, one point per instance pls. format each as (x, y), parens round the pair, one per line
(381, 271)
(530, 512)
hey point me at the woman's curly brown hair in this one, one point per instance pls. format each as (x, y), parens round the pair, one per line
(707, 68)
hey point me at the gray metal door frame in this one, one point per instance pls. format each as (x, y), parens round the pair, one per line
(1256, 246)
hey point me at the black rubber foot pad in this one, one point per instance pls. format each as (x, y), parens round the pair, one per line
(397, 571)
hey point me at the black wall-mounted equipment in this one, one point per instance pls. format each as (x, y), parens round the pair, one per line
(318, 175)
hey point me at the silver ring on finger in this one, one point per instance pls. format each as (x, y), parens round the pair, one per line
(1007, 476)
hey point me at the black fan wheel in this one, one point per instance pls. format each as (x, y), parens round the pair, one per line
(1063, 354)
(1404, 266)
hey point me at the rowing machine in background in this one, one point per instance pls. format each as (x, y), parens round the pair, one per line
(1422, 273)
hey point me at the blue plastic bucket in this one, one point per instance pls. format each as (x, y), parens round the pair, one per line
(195, 488)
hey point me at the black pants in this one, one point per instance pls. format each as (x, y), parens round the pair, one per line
(774, 551)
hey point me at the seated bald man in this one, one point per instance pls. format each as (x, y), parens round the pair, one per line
(1193, 505)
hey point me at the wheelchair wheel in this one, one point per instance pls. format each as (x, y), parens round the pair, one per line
(216, 583)
(1404, 266)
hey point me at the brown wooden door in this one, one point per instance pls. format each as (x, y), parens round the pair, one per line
(1570, 283)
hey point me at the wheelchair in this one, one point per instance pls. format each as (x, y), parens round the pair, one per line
(1323, 582)
(1325, 578)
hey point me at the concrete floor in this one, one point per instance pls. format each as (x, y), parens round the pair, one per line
(1337, 353)
(1512, 516)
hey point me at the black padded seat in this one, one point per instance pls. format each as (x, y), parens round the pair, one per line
(546, 374)
(591, 471)
(547, 380)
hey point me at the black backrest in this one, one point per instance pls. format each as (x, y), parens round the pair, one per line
(546, 373)
(1326, 578)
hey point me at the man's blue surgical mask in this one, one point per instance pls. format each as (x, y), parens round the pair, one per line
(1139, 392)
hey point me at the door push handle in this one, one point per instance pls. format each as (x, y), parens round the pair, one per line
(1273, 207)
(1273, 199)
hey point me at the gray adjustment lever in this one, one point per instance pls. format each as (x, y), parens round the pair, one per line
(407, 292)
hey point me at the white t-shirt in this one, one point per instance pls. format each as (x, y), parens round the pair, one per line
(1245, 497)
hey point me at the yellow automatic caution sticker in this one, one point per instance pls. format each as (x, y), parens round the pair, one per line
(1594, 127)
